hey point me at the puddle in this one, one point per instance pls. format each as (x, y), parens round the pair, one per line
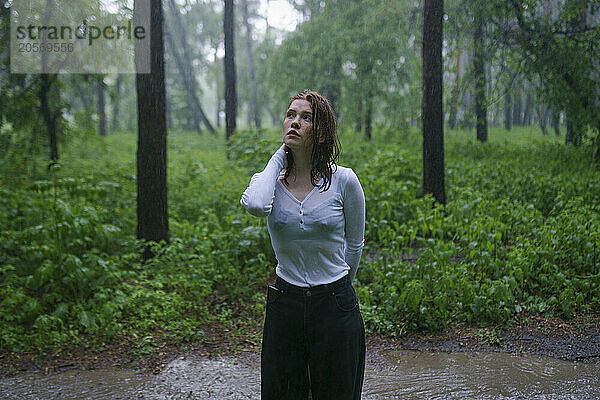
(416, 375)
(405, 375)
(207, 379)
(74, 385)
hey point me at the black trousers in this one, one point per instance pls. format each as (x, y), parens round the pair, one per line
(313, 338)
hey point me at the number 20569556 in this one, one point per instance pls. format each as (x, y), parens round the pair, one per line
(45, 47)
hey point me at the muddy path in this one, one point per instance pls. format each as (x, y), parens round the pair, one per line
(533, 358)
(389, 374)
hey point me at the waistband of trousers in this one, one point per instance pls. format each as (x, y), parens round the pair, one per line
(312, 290)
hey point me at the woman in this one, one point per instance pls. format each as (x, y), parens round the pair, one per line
(313, 336)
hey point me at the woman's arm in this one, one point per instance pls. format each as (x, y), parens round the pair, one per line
(257, 199)
(354, 214)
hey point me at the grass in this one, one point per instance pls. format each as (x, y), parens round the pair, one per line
(520, 233)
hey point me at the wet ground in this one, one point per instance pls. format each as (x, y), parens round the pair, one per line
(533, 358)
(395, 375)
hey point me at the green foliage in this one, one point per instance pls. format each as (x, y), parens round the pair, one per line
(251, 149)
(520, 233)
(368, 61)
(556, 46)
(70, 264)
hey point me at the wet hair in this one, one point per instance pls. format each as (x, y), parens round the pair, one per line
(325, 154)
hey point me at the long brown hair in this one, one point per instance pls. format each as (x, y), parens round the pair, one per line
(323, 126)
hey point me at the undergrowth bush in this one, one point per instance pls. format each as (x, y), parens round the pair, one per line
(520, 233)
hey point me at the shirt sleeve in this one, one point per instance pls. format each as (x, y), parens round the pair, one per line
(258, 197)
(354, 214)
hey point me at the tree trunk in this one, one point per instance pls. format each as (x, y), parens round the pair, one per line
(187, 82)
(467, 121)
(489, 79)
(268, 28)
(556, 123)
(574, 132)
(507, 110)
(498, 111)
(569, 137)
(218, 109)
(517, 105)
(359, 116)
(251, 81)
(49, 116)
(46, 85)
(332, 90)
(169, 115)
(527, 111)
(115, 116)
(455, 93)
(465, 100)
(184, 64)
(542, 112)
(369, 116)
(480, 85)
(547, 114)
(152, 215)
(574, 125)
(230, 80)
(274, 118)
(101, 108)
(218, 92)
(433, 128)
(85, 101)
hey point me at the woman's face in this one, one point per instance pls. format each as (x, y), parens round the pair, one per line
(298, 125)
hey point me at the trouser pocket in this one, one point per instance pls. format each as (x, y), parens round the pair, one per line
(345, 299)
(273, 294)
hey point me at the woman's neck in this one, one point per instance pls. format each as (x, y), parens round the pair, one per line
(302, 165)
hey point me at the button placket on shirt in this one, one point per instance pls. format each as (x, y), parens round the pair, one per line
(301, 217)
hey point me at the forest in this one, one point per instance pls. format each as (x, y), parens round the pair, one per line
(474, 128)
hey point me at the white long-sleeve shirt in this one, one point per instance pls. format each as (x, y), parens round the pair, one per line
(317, 240)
